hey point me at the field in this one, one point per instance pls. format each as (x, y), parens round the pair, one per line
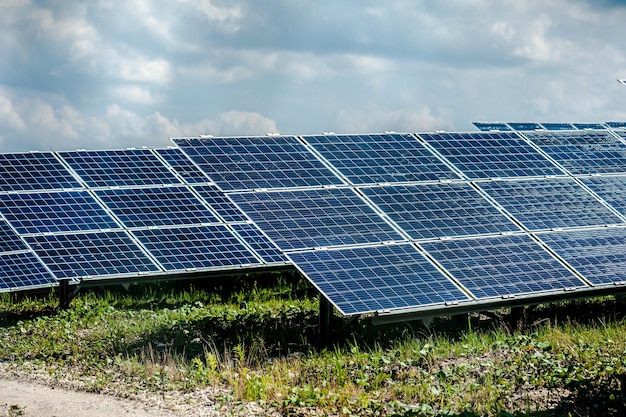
(254, 344)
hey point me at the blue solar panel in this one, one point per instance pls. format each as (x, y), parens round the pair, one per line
(220, 203)
(34, 171)
(195, 247)
(439, 210)
(91, 255)
(583, 152)
(491, 154)
(550, 203)
(50, 212)
(259, 242)
(375, 278)
(502, 265)
(591, 126)
(257, 162)
(610, 189)
(523, 126)
(9, 240)
(597, 254)
(156, 206)
(315, 217)
(616, 125)
(23, 271)
(183, 165)
(558, 126)
(372, 159)
(486, 126)
(119, 168)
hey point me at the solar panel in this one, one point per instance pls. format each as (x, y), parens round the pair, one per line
(583, 152)
(372, 159)
(310, 218)
(34, 171)
(610, 189)
(487, 127)
(616, 125)
(156, 206)
(596, 254)
(22, 270)
(550, 203)
(220, 203)
(523, 126)
(183, 165)
(558, 126)
(9, 240)
(491, 154)
(502, 266)
(51, 212)
(247, 163)
(589, 126)
(374, 278)
(91, 255)
(115, 168)
(259, 243)
(183, 248)
(439, 210)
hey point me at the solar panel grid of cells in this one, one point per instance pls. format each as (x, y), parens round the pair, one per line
(499, 266)
(310, 218)
(550, 203)
(247, 163)
(491, 154)
(55, 211)
(439, 210)
(373, 278)
(9, 240)
(182, 248)
(372, 159)
(251, 234)
(611, 189)
(596, 254)
(22, 270)
(183, 165)
(220, 203)
(156, 206)
(583, 152)
(117, 168)
(34, 171)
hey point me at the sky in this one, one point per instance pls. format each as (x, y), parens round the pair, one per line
(108, 74)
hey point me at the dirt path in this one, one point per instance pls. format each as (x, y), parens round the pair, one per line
(33, 399)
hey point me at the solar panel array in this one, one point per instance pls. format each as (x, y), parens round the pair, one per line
(414, 222)
(379, 223)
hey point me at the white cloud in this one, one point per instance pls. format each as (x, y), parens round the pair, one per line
(9, 117)
(379, 120)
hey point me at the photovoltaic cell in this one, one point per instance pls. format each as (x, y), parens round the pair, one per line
(22, 270)
(51, 212)
(156, 206)
(184, 248)
(439, 210)
(486, 127)
(592, 126)
(247, 163)
(524, 126)
(375, 278)
(550, 203)
(500, 266)
(116, 168)
(616, 125)
(610, 189)
(315, 217)
(558, 126)
(259, 242)
(372, 159)
(220, 203)
(9, 240)
(91, 255)
(183, 165)
(34, 171)
(583, 152)
(596, 254)
(491, 154)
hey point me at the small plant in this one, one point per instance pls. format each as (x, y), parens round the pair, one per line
(15, 410)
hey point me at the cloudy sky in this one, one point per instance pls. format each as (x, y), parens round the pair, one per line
(114, 74)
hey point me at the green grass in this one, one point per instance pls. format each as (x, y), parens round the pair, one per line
(256, 343)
